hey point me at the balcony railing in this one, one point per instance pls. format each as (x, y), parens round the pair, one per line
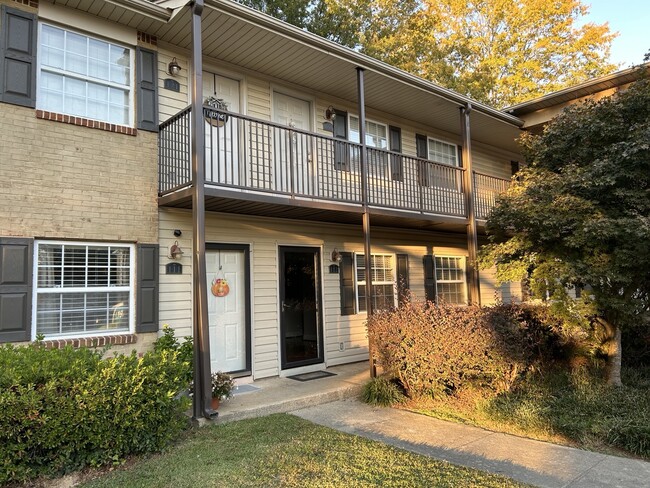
(251, 155)
(486, 190)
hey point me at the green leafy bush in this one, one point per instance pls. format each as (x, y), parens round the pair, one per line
(381, 391)
(185, 350)
(441, 349)
(63, 409)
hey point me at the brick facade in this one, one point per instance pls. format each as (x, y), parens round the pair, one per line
(63, 181)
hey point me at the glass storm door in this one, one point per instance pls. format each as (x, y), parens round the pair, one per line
(301, 330)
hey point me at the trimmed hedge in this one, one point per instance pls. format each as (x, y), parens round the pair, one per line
(440, 349)
(63, 409)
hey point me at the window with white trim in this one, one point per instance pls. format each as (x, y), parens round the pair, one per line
(84, 76)
(443, 152)
(450, 279)
(376, 133)
(383, 282)
(83, 289)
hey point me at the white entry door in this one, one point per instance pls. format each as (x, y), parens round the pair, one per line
(222, 143)
(227, 314)
(293, 151)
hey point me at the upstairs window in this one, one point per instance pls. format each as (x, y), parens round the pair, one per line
(85, 77)
(83, 289)
(442, 152)
(376, 133)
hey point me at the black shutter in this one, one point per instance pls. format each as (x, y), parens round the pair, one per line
(18, 31)
(396, 163)
(423, 155)
(514, 167)
(341, 151)
(147, 293)
(346, 275)
(147, 95)
(16, 289)
(402, 277)
(429, 278)
(460, 156)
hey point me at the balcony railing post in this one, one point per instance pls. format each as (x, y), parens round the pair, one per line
(468, 180)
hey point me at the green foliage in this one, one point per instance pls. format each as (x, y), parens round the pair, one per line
(577, 216)
(63, 409)
(185, 350)
(581, 407)
(437, 350)
(382, 391)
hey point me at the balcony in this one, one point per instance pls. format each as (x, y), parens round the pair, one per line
(256, 161)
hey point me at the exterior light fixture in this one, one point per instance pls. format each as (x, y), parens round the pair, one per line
(336, 256)
(174, 68)
(175, 251)
(330, 113)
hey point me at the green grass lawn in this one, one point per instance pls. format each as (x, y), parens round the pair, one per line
(283, 450)
(577, 410)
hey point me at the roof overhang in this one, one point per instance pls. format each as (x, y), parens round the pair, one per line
(240, 37)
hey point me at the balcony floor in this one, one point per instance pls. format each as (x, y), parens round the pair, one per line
(277, 206)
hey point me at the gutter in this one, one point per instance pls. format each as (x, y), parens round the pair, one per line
(362, 60)
(144, 7)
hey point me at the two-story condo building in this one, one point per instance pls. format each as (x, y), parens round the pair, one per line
(96, 226)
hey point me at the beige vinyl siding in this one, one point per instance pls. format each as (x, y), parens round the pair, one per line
(259, 98)
(171, 102)
(265, 235)
(491, 293)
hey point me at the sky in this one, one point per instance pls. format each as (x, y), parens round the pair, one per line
(631, 18)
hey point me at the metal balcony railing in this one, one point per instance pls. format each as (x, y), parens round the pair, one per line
(247, 154)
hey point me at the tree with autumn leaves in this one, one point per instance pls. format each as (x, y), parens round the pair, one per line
(500, 52)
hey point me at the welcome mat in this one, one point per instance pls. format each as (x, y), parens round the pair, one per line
(311, 376)
(243, 389)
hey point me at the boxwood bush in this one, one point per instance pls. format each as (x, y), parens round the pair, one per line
(63, 409)
(440, 349)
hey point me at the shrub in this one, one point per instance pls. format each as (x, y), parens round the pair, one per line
(63, 409)
(381, 391)
(169, 342)
(440, 349)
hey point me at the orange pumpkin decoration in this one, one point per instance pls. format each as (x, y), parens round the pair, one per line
(220, 287)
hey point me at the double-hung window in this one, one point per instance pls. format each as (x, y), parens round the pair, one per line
(450, 279)
(383, 282)
(83, 289)
(83, 76)
(446, 154)
(376, 138)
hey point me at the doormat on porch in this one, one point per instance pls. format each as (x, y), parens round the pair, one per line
(243, 389)
(311, 376)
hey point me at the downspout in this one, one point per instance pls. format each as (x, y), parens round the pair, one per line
(363, 161)
(468, 185)
(202, 383)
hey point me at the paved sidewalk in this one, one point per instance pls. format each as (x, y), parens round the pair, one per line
(534, 462)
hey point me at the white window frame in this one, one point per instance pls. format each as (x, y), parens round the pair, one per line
(385, 126)
(130, 289)
(357, 282)
(131, 87)
(455, 146)
(463, 281)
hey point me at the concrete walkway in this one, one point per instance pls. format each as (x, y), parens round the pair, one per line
(534, 462)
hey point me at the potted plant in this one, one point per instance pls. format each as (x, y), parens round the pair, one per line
(222, 387)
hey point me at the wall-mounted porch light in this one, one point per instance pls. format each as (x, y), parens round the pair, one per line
(175, 251)
(174, 68)
(336, 256)
(330, 113)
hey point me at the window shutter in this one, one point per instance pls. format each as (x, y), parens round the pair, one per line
(18, 31)
(396, 163)
(341, 152)
(423, 155)
(147, 95)
(16, 270)
(346, 275)
(429, 278)
(514, 167)
(460, 156)
(402, 277)
(147, 290)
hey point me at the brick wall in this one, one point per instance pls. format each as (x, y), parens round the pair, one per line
(64, 181)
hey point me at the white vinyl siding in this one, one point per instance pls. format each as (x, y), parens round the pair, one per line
(83, 76)
(450, 279)
(83, 289)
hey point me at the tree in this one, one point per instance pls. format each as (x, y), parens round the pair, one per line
(499, 52)
(578, 217)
